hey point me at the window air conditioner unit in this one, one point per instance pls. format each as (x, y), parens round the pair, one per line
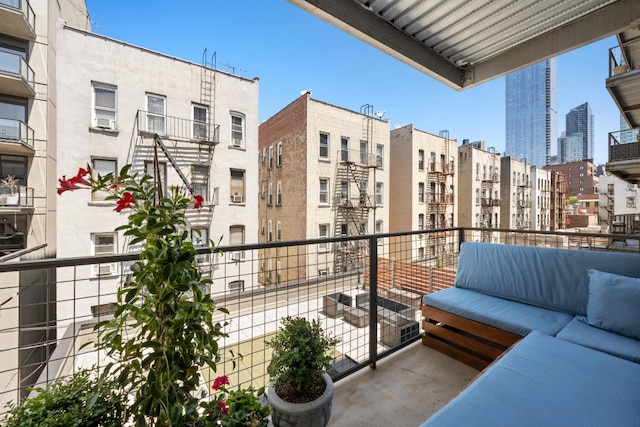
(236, 198)
(236, 142)
(101, 122)
(235, 256)
(104, 269)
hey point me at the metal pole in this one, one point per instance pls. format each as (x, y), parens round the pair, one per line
(373, 301)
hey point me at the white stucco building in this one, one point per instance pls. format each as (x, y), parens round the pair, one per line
(113, 98)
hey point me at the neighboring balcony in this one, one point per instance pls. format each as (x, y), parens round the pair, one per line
(16, 137)
(16, 76)
(18, 19)
(623, 82)
(17, 196)
(624, 155)
(177, 128)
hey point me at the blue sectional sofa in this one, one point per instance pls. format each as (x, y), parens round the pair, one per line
(570, 320)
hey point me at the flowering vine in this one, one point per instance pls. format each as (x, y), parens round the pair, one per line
(174, 335)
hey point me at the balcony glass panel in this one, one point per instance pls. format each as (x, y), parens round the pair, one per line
(25, 8)
(14, 64)
(16, 131)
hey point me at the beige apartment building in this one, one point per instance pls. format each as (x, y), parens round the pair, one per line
(28, 142)
(479, 195)
(515, 190)
(423, 189)
(323, 172)
(120, 104)
(541, 199)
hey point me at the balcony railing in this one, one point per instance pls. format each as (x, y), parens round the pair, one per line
(18, 196)
(15, 65)
(360, 158)
(16, 131)
(49, 307)
(24, 29)
(624, 145)
(179, 128)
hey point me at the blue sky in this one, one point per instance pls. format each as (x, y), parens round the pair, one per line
(291, 50)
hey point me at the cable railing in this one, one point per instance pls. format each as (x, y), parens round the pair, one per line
(365, 290)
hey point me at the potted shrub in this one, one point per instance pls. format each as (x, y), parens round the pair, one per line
(79, 399)
(300, 392)
(11, 197)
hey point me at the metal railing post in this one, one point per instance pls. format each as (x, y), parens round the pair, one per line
(373, 301)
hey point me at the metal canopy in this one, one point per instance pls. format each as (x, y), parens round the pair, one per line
(465, 43)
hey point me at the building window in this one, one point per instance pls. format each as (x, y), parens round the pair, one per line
(200, 237)
(271, 157)
(236, 238)
(270, 231)
(344, 149)
(323, 233)
(279, 193)
(631, 202)
(200, 122)
(162, 168)
(237, 130)
(324, 146)
(421, 192)
(421, 252)
(236, 286)
(237, 186)
(270, 195)
(379, 193)
(364, 152)
(278, 231)
(421, 160)
(104, 106)
(379, 227)
(324, 191)
(156, 114)
(103, 167)
(263, 228)
(200, 181)
(379, 155)
(420, 221)
(103, 244)
(279, 154)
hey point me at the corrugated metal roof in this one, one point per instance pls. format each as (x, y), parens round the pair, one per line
(464, 43)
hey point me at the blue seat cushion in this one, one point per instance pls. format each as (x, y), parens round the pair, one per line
(552, 278)
(579, 332)
(504, 314)
(546, 381)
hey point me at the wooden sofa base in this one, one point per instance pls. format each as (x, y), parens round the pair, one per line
(470, 342)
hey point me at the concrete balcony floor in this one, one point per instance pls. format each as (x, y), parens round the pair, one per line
(405, 389)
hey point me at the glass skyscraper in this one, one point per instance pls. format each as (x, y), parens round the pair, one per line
(580, 122)
(532, 113)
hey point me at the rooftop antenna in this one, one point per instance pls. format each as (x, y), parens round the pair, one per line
(233, 68)
(305, 92)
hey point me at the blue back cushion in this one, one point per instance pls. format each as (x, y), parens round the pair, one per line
(556, 279)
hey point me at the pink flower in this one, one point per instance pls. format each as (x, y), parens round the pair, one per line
(199, 200)
(221, 380)
(224, 407)
(125, 202)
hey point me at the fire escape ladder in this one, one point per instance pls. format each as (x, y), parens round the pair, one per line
(158, 142)
(207, 98)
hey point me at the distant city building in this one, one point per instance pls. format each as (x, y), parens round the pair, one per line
(619, 205)
(479, 188)
(580, 176)
(571, 148)
(531, 113)
(323, 172)
(515, 190)
(626, 133)
(579, 126)
(422, 196)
